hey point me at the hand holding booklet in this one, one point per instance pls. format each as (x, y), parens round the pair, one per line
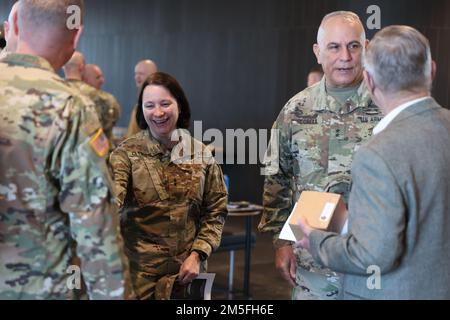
(199, 289)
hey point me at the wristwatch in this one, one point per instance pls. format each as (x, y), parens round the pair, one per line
(203, 256)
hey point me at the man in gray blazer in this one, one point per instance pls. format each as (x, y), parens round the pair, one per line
(398, 240)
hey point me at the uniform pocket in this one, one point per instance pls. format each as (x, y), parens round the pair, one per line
(198, 183)
(144, 189)
(189, 182)
(309, 148)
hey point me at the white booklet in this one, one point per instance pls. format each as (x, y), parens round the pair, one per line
(287, 234)
(199, 289)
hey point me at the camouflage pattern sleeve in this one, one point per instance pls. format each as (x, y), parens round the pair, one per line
(277, 197)
(79, 165)
(121, 166)
(110, 115)
(214, 211)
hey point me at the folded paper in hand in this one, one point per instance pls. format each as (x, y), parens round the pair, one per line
(199, 289)
(322, 211)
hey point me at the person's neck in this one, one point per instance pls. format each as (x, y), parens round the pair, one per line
(166, 141)
(355, 84)
(342, 94)
(12, 48)
(351, 87)
(25, 48)
(391, 102)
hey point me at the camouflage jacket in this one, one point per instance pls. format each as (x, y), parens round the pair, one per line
(317, 137)
(107, 107)
(111, 115)
(172, 203)
(54, 187)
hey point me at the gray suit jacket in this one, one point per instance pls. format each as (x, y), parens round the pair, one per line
(399, 212)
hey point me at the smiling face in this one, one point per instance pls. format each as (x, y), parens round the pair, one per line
(339, 51)
(161, 111)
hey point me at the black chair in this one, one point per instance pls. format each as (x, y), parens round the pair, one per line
(232, 242)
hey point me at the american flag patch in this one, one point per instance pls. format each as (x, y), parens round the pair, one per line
(99, 142)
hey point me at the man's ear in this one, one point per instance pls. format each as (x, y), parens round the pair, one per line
(433, 70)
(316, 50)
(6, 28)
(366, 43)
(15, 26)
(369, 82)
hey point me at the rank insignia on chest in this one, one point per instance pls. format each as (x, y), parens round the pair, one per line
(349, 107)
(307, 120)
(372, 111)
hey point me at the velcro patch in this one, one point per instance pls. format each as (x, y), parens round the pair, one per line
(99, 142)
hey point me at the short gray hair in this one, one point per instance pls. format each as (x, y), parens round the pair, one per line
(35, 14)
(346, 15)
(399, 59)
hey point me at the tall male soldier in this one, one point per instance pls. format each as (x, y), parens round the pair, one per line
(54, 184)
(319, 129)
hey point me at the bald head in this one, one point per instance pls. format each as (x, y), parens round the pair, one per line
(143, 70)
(44, 29)
(74, 68)
(77, 59)
(314, 76)
(12, 28)
(341, 41)
(93, 76)
(346, 17)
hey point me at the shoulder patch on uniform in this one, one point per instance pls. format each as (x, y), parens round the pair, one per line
(99, 142)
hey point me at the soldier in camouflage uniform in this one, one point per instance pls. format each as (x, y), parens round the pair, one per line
(173, 201)
(93, 76)
(319, 130)
(109, 115)
(74, 70)
(54, 185)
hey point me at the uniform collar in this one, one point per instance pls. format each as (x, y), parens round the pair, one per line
(154, 147)
(28, 61)
(188, 150)
(324, 101)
